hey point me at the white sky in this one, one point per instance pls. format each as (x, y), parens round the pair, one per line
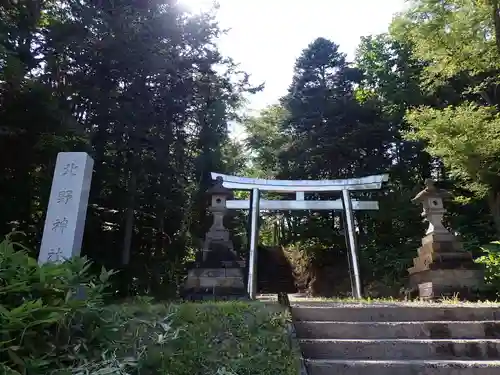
(267, 36)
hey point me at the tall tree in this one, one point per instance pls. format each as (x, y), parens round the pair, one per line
(333, 135)
(457, 39)
(144, 89)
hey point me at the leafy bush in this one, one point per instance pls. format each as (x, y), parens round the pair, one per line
(491, 261)
(54, 321)
(50, 315)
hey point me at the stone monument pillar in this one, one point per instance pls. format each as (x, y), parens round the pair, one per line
(65, 220)
(218, 274)
(442, 267)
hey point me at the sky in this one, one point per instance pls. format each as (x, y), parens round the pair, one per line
(267, 36)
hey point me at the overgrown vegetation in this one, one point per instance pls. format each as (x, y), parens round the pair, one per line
(491, 261)
(54, 320)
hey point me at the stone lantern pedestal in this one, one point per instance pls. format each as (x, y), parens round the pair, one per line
(218, 272)
(442, 267)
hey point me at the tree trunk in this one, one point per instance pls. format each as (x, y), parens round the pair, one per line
(496, 21)
(290, 228)
(494, 204)
(129, 216)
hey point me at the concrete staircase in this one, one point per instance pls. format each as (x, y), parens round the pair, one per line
(402, 339)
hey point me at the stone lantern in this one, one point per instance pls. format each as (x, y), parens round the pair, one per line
(219, 274)
(218, 235)
(433, 207)
(442, 267)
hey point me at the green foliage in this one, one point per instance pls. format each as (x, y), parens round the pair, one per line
(466, 138)
(491, 260)
(236, 337)
(453, 36)
(54, 320)
(332, 134)
(266, 140)
(50, 315)
(458, 43)
(390, 73)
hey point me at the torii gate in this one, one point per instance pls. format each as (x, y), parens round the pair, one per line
(300, 188)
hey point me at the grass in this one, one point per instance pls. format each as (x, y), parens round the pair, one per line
(212, 338)
(367, 300)
(455, 300)
(232, 337)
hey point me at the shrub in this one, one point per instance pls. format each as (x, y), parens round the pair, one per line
(50, 315)
(491, 261)
(54, 321)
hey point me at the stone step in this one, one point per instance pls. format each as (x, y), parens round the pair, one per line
(392, 312)
(399, 330)
(403, 367)
(280, 281)
(400, 349)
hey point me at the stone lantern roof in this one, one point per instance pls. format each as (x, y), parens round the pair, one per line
(219, 189)
(430, 191)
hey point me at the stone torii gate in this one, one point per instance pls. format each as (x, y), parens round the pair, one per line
(300, 188)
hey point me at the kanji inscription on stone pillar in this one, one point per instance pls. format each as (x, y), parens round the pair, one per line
(67, 210)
